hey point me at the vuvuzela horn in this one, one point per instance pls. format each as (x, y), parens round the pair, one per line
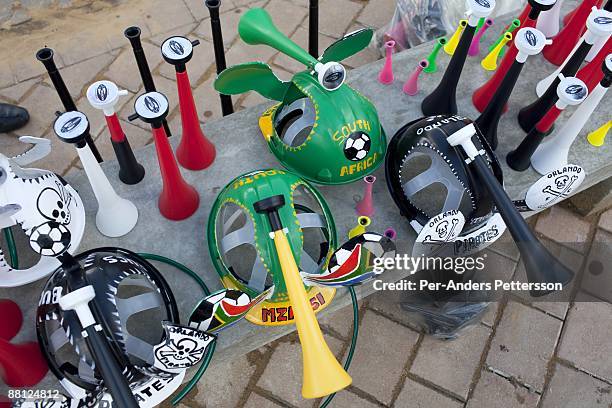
(483, 95)
(529, 41)
(540, 265)
(598, 25)
(452, 43)
(570, 91)
(322, 374)
(490, 61)
(553, 153)
(256, 27)
(443, 99)
(116, 216)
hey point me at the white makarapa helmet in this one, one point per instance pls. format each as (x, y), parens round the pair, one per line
(48, 210)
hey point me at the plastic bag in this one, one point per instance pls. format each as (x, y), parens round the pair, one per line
(444, 314)
(417, 21)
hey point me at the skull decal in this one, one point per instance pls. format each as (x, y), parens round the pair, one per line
(442, 229)
(561, 181)
(182, 347)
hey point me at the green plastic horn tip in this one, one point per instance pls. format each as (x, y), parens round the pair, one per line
(480, 23)
(256, 27)
(431, 58)
(516, 23)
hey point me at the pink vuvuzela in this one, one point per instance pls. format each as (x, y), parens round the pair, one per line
(386, 73)
(390, 233)
(411, 87)
(475, 46)
(365, 207)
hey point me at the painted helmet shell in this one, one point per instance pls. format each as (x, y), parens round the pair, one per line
(326, 137)
(132, 300)
(243, 253)
(427, 176)
(47, 207)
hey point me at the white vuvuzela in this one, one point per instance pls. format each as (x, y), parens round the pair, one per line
(554, 151)
(116, 216)
(548, 22)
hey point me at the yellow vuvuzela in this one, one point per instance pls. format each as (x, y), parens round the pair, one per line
(360, 228)
(322, 374)
(598, 137)
(490, 61)
(451, 45)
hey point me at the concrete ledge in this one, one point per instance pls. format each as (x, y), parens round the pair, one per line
(240, 148)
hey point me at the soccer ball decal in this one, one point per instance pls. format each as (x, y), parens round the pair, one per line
(50, 239)
(357, 146)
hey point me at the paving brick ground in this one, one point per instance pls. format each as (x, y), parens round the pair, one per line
(521, 354)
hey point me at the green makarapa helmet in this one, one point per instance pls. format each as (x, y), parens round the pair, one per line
(323, 129)
(244, 254)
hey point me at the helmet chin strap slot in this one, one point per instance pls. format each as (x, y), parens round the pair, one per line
(307, 264)
(243, 236)
(438, 172)
(86, 372)
(295, 121)
(311, 220)
(58, 338)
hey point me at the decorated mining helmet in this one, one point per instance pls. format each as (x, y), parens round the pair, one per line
(427, 177)
(245, 256)
(136, 310)
(46, 208)
(322, 129)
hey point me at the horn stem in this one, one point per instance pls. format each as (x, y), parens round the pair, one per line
(77, 299)
(540, 265)
(133, 35)
(227, 107)
(45, 55)
(313, 28)
(531, 114)
(488, 121)
(591, 73)
(529, 42)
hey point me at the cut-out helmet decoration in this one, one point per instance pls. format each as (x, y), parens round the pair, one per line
(138, 313)
(355, 262)
(322, 129)
(245, 256)
(224, 308)
(41, 203)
